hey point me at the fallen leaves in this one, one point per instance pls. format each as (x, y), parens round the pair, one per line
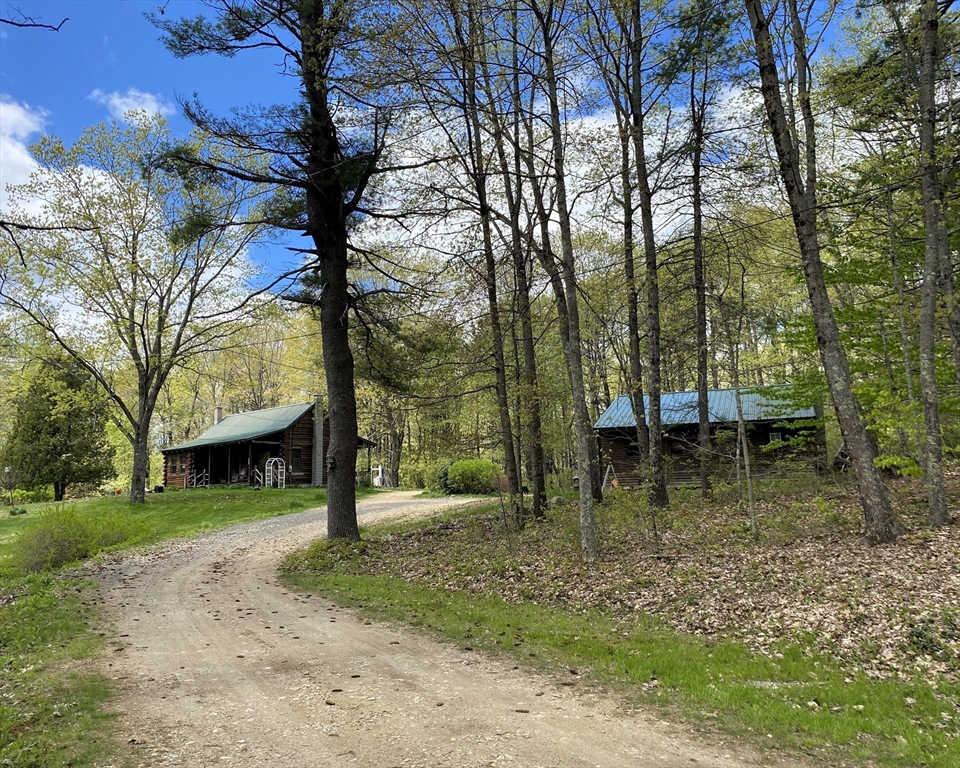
(883, 611)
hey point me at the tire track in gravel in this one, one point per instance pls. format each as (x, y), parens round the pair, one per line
(218, 664)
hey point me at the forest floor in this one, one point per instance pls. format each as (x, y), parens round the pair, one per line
(886, 611)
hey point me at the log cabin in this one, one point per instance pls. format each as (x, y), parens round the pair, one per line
(780, 435)
(238, 448)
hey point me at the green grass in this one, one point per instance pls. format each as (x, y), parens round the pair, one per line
(50, 702)
(50, 705)
(793, 700)
(180, 513)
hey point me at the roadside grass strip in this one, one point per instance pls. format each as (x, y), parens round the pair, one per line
(793, 699)
(50, 703)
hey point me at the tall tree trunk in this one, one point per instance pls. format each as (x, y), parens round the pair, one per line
(935, 242)
(511, 174)
(634, 355)
(341, 458)
(698, 118)
(472, 43)
(799, 178)
(327, 227)
(564, 281)
(658, 481)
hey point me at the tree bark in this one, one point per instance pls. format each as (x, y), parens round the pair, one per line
(659, 497)
(798, 174)
(935, 242)
(698, 118)
(472, 44)
(529, 411)
(587, 457)
(327, 226)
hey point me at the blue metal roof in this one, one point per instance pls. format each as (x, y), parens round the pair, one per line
(681, 408)
(240, 427)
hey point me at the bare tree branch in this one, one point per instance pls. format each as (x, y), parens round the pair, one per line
(28, 22)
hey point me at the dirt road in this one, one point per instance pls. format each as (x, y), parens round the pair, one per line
(218, 664)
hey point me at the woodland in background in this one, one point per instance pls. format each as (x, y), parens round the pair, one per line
(555, 203)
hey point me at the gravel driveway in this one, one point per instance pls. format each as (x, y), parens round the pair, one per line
(218, 664)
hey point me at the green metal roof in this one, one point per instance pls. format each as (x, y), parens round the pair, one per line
(681, 408)
(241, 427)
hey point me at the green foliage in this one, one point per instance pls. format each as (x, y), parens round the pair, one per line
(40, 495)
(472, 476)
(58, 436)
(61, 535)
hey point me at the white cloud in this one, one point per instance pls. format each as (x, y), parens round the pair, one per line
(133, 100)
(18, 122)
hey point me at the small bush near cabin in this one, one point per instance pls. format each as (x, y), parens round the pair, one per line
(60, 535)
(472, 476)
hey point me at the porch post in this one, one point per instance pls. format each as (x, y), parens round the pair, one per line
(318, 441)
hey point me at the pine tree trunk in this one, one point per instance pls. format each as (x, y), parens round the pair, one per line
(698, 115)
(341, 458)
(327, 227)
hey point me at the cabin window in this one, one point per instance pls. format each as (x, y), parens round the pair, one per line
(295, 455)
(632, 451)
(775, 437)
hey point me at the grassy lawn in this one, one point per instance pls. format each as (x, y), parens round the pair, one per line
(178, 513)
(472, 580)
(50, 701)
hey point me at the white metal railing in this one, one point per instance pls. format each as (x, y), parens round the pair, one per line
(257, 476)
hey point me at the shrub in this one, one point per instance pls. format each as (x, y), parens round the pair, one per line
(60, 535)
(34, 495)
(472, 476)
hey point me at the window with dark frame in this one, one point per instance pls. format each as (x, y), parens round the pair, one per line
(295, 455)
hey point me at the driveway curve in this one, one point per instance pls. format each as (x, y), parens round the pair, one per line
(218, 664)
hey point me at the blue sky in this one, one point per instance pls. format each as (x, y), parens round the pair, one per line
(105, 59)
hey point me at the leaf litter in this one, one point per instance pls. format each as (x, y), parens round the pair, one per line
(884, 611)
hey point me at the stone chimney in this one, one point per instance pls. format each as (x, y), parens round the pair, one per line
(217, 414)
